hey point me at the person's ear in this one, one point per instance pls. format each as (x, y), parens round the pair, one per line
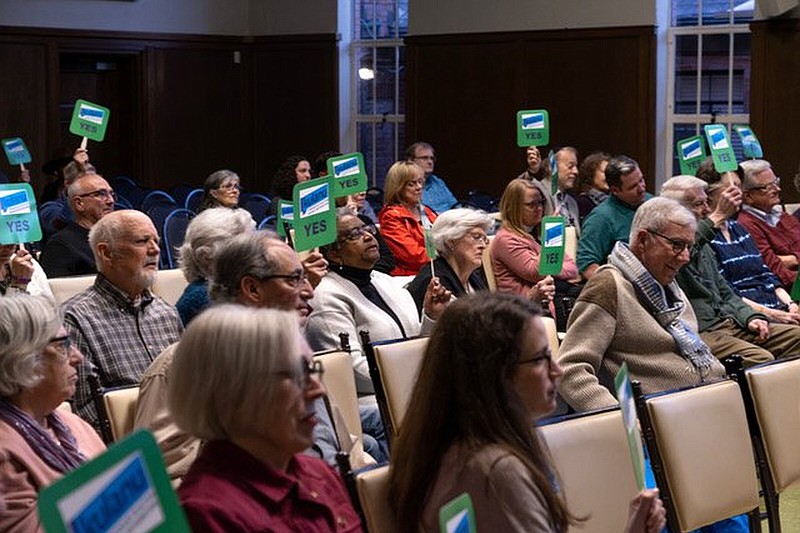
(105, 253)
(251, 289)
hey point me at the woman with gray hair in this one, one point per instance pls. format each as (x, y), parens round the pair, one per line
(38, 371)
(244, 381)
(460, 239)
(206, 233)
(221, 189)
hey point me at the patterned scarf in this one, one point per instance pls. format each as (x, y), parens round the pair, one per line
(653, 297)
(61, 458)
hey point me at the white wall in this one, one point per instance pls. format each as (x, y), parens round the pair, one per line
(471, 16)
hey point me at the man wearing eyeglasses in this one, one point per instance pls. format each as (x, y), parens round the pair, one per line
(633, 311)
(725, 322)
(67, 253)
(435, 192)
(776, 233)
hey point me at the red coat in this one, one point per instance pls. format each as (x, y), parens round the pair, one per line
(783, 239)
(405, 237)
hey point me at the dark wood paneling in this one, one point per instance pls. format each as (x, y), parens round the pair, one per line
(775, 96)
(297, 100)
(464, 92)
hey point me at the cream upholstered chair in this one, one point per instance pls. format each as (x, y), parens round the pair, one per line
(373, 494)
(340, 386)
(488, 268)
(397, 363)
(552, 334)
(592, 462)
(65, 288)
(169, 285)
(775, 392)
(120, 407)
(701, 439)
(570, 241)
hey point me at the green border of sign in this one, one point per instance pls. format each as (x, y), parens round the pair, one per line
(322, 224)
(280, 220)
(141, 441)
(455, 506)
(533, 137)
(85, 128)
(622, 384)
(551, 258)
(350, 183)
(34, 231)
(21, 157)
(724, 158)
(690, 165)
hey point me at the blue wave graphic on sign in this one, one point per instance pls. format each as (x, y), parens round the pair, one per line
(553, 235)
(91, 114)
(747, 135)
(347, 167)
(459, 523)
(718, 139)
(314, 200)
(287, 212)
(691, 149)
(534, 121)
(15, 146)
(15, 203)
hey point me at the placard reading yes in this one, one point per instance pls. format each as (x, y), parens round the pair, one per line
(691, 152)
(19, 220)
(349, 174)
(314, 214)
(551, 256)
(16, 151)
(533, 128)
(721, 149)
(89, 120)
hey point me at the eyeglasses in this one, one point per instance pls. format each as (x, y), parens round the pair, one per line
(358, 233)
(309, 368)
(537, 360)
(677, 245)
(230, 186)
(699, 203)
(66, 345)
(100, 194)
(296, 279)
(478, 237)
(771, 185)
(534, 204)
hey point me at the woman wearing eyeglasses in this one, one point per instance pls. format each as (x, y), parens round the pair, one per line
(221, 189)
(460, 239)
(244, 381)
(38, 444)
(486, 377)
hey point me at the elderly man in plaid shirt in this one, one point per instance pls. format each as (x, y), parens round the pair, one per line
(118, 324)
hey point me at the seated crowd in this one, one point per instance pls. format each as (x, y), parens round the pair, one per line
(669, 286)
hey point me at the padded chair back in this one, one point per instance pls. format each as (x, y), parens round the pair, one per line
(257, 205)
(775, 390)
(157, 197)
(373, 493)
(398, 363)
(193, 200)
(591, 458)
(65, 288)
(570, 241)
(701, 438)
(169, 285)
(174, 232)
(268, 223)
(488, 267)
(552, 334)
(121, 409)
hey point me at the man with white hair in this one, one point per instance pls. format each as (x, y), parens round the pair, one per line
(117, 323)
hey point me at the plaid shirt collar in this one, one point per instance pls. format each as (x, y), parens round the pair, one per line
(119, 297)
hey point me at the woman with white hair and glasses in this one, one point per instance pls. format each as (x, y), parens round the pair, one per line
(244, 381)
(460, 239)
(38, 371)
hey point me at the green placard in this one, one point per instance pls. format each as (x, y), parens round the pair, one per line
(89, 120)
(430, 246)
(349, 174)
(551, 256)
(314, 214)
(457, 515)
(16, 151)
(691, 152)
(285, 214)
(795, 295)
(19, 220)
(124, 489)
(533, 128)
(625, 395)
(751, 147)
(720, 146)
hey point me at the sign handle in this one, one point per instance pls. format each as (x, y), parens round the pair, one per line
(287, 230)
(84, 142)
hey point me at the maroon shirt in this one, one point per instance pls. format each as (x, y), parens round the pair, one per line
(227, 489)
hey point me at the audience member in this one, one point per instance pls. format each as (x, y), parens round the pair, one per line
(20, 272)
(205, 235)
(740, 262)
(633, 311)
(221, 189)
(435, 193)
(404, 219)
(611, 221)
(565, 203)
(55, 214)
(117, 323)
(592, 188)
(460, 239)
(38, 443)
(458, 437)
(353, 297)
(776, 233)
(295, 169)
(726, 324)
(67, 253)
(538, 173)
(244, 382)
(516, 252)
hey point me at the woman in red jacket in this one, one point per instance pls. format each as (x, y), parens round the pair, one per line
(404, 219)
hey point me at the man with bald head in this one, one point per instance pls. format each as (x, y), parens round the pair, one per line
(67, 253)
(117, 323)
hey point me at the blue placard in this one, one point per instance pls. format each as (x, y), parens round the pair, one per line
(16, 151)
